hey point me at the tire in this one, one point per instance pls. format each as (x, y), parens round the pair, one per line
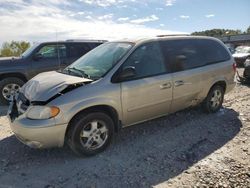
(5, 83)
(84, 133)
(214, 99)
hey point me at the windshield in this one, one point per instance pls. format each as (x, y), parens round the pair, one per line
(29, 51)
(96, 63)
(242, 49)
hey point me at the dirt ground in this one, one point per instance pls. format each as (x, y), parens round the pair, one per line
(186, 149)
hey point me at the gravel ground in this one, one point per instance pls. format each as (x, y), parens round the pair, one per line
(185, 149)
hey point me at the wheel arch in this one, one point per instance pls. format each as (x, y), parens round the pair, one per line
(206, 90)
(109, 110)
(221, 83)
(15, 75)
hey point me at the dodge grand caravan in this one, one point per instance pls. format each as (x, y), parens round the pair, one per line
(120, 84)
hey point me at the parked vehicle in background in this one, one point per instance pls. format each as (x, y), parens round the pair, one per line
(246, 72)
(47, 56)
(242, 53)
(245, 78)
(230, 48)
(120, 84)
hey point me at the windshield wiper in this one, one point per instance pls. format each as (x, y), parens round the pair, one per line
(83, 74)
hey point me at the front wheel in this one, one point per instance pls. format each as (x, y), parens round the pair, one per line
(214, 99)
(91, 133)
(8, 87)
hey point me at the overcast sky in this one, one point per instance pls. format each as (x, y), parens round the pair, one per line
(41, 20)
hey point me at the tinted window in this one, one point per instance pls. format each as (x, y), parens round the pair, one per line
(52, 51)
(93, 44)
(213, 51)
(181, 54)
(186, 54)
(147, 60)
(78, 50)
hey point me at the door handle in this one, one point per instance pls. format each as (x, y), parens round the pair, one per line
(179, 83)
(166, 85)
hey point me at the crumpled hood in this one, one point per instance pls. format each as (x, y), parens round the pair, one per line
(46, 85)
(241, 55)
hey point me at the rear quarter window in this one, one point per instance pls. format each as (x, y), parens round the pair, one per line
(184, 54)
(213, 51)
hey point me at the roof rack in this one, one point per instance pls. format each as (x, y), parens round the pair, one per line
(85, 40)
(172, 35)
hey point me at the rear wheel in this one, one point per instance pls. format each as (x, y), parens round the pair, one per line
(214, 99)
(9, 87)
(90, 133)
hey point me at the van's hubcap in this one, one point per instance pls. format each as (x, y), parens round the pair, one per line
(216, 99)
(94, 135)
(9, 90)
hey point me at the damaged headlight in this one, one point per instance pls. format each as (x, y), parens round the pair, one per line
(42, 112)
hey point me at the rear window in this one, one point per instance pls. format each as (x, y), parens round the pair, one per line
(78, 49)
(94, 44)
(184, 54)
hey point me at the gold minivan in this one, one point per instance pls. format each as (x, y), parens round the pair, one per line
(119, 84)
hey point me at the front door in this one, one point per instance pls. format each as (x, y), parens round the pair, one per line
(149, 93)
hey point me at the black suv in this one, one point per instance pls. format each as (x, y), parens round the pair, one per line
(15, 71)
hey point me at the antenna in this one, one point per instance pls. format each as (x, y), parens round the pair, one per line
(57, 49)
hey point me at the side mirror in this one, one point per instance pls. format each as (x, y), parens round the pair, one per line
(37, 56)
(127, 72)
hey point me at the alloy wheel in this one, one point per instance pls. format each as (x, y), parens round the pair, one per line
(94, 135)
(10, 90)
(216, 99)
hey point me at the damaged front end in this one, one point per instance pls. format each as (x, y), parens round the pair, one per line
(40, 91)
(64, 91)
(20, 104)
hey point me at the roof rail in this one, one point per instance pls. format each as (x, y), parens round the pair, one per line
(85, 40)
(167, 35)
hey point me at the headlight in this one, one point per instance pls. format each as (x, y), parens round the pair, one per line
(42, 112)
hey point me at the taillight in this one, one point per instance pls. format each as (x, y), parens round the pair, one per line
(234, 67)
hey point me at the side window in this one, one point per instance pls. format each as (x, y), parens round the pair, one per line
(181, 54)
(147, 61)
(184, 54)
(213, 51)
(52, 51)
(78, 50)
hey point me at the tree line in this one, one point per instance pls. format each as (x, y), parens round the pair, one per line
(221, 32)
(16, 48)
(13, 48)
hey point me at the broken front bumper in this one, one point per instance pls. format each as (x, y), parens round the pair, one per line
(35, 133)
